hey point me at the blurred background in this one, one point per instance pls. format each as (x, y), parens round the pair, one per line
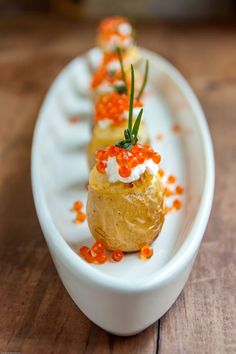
(223, 10)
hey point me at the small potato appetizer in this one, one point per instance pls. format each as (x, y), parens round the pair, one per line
(125, 206)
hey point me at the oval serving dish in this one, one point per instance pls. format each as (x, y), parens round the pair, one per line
(126, 297)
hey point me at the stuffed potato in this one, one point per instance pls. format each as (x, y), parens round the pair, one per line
(125, 216)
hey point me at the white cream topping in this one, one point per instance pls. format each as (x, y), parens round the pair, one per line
(115, 41)
(136, 111)
(112, 170)
(107, 87)
(125, 29)
(104, 123)
(113, 66)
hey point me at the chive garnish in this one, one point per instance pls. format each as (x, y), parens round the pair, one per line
(122, 69)
(144, 80)
(131, 133)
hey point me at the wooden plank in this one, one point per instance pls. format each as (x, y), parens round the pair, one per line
(143, 343)
(204, 317)
(36, 313)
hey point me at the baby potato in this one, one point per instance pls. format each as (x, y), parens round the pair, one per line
(125, 216)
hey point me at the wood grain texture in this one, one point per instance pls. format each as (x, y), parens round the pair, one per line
(37, 315)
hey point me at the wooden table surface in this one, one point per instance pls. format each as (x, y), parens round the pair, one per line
(36, 313)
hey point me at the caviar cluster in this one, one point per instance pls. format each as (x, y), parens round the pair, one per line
(126, 159)
(77, 208)
(172, 190)
(113, 107)
(110, 27)
(98, 254)
(103, 74)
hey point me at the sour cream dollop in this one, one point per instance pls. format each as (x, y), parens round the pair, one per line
(113, 175)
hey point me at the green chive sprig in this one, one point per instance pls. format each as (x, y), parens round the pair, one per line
(131, 133)
(144, 80)
(122, 89)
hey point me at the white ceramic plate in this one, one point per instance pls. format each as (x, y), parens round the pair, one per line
(132, 294)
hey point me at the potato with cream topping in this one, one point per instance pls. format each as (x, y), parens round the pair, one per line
(125, 215)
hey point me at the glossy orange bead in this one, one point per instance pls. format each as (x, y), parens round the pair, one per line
(156, 158)
(113, 150)
(161, 172)
(101, 167)
(177, 204)
(135, 149)
(98, 247)
(124, 171)
(148, 152)
(133, 162)
(168, 192)
(140, 157)
(171, 179)
(123, 158)
(100, 258)
(146, 252)
(101, 155)
(179, 190)
(77, 206)
(80, 217)
(85, 252)
(117, 256)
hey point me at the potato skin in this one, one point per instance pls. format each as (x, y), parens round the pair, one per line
(102, 138)
(122, 217)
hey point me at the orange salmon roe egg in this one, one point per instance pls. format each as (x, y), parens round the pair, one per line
(179, 190)
(85, 253)
(101, 155)
(156, 158)
(124, 171)
(171, 179)
(109, 26)
(80, 217)
(77, 206)
(168, 192)
(161, 172)
(100, 258)
(146, 252)
(98, 247)
(113, 151)
(177, 204)
(113, 107)
(117, 256)
(126, 159)
(101, 167)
